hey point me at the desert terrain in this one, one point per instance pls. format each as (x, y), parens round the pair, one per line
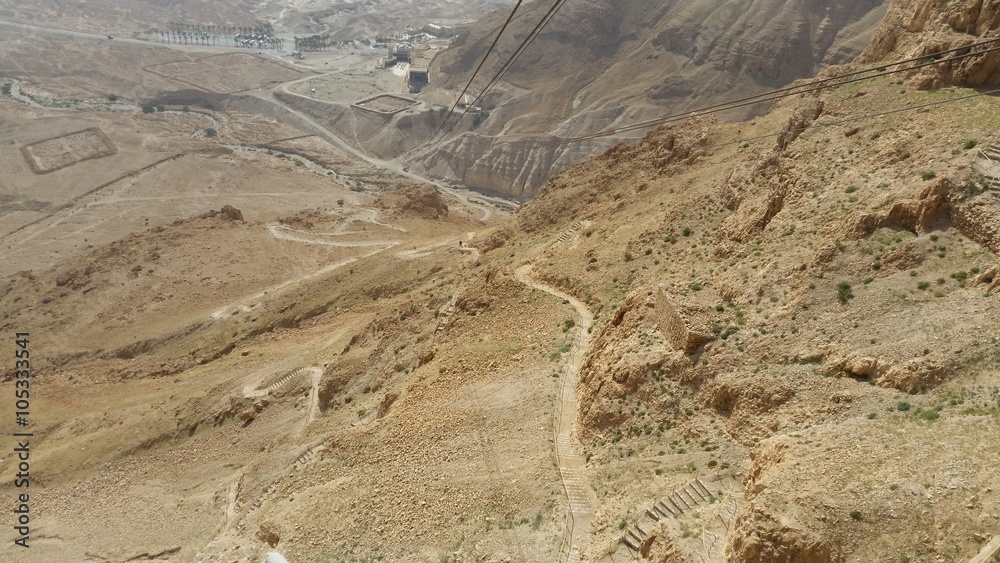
(772, 340)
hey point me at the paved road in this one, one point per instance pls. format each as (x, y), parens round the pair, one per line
(84, 35)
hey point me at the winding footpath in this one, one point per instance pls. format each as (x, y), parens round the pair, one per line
(389, 165)
(283, 232)
(572, 464)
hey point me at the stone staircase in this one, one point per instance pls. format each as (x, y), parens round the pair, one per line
(684, 499)
(988, 164)
(307, 456)
(282, 381)
(568, 233)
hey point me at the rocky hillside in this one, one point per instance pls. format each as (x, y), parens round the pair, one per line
(816, 311)
(769, 341)
(633, 61)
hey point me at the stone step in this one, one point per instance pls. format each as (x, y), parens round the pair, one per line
(676, 508)
(653, 514)
(695, 494)
(688, 497)
(637, 533)
(662, 510)
(702, 487)
(631, 542)
(680, 502)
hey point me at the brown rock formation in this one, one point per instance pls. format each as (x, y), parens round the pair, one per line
(919, 27)
(423, 202)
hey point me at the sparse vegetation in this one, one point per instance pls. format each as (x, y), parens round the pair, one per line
(844, 292)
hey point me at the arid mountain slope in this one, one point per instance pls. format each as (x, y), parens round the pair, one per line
(630, 61)
(772, 341)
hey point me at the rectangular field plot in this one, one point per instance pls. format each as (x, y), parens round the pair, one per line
(386, 103)
(52, 154)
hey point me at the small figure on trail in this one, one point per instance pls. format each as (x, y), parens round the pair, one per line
(459, 244)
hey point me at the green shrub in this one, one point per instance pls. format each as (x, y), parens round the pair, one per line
(928, 415)
(923, 285)
(855, 515)
(850, 189)
(844, 292)
(927, 175)
(628, 256)
(971, 143)
(902, 406)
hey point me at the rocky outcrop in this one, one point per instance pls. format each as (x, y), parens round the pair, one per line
(617, 365)
(231, 213)
(913, 28)
(929, 210)
(227, 212)
(423, 202)
(514, 168)
(659, 547)
(756, 194)
(764, 536)
(979, 220)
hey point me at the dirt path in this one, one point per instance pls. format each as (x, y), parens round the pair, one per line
(572, 465)
(392, 166)
(317, 376)
(279, 232)
(286, 233)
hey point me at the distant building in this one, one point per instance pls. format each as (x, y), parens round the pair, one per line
(401, 52)
(418, 76)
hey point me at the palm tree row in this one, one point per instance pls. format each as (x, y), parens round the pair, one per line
(314, 43)
(251, 37)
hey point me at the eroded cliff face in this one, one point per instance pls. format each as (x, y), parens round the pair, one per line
(918, 27)
(631, 62)
(510, 168)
